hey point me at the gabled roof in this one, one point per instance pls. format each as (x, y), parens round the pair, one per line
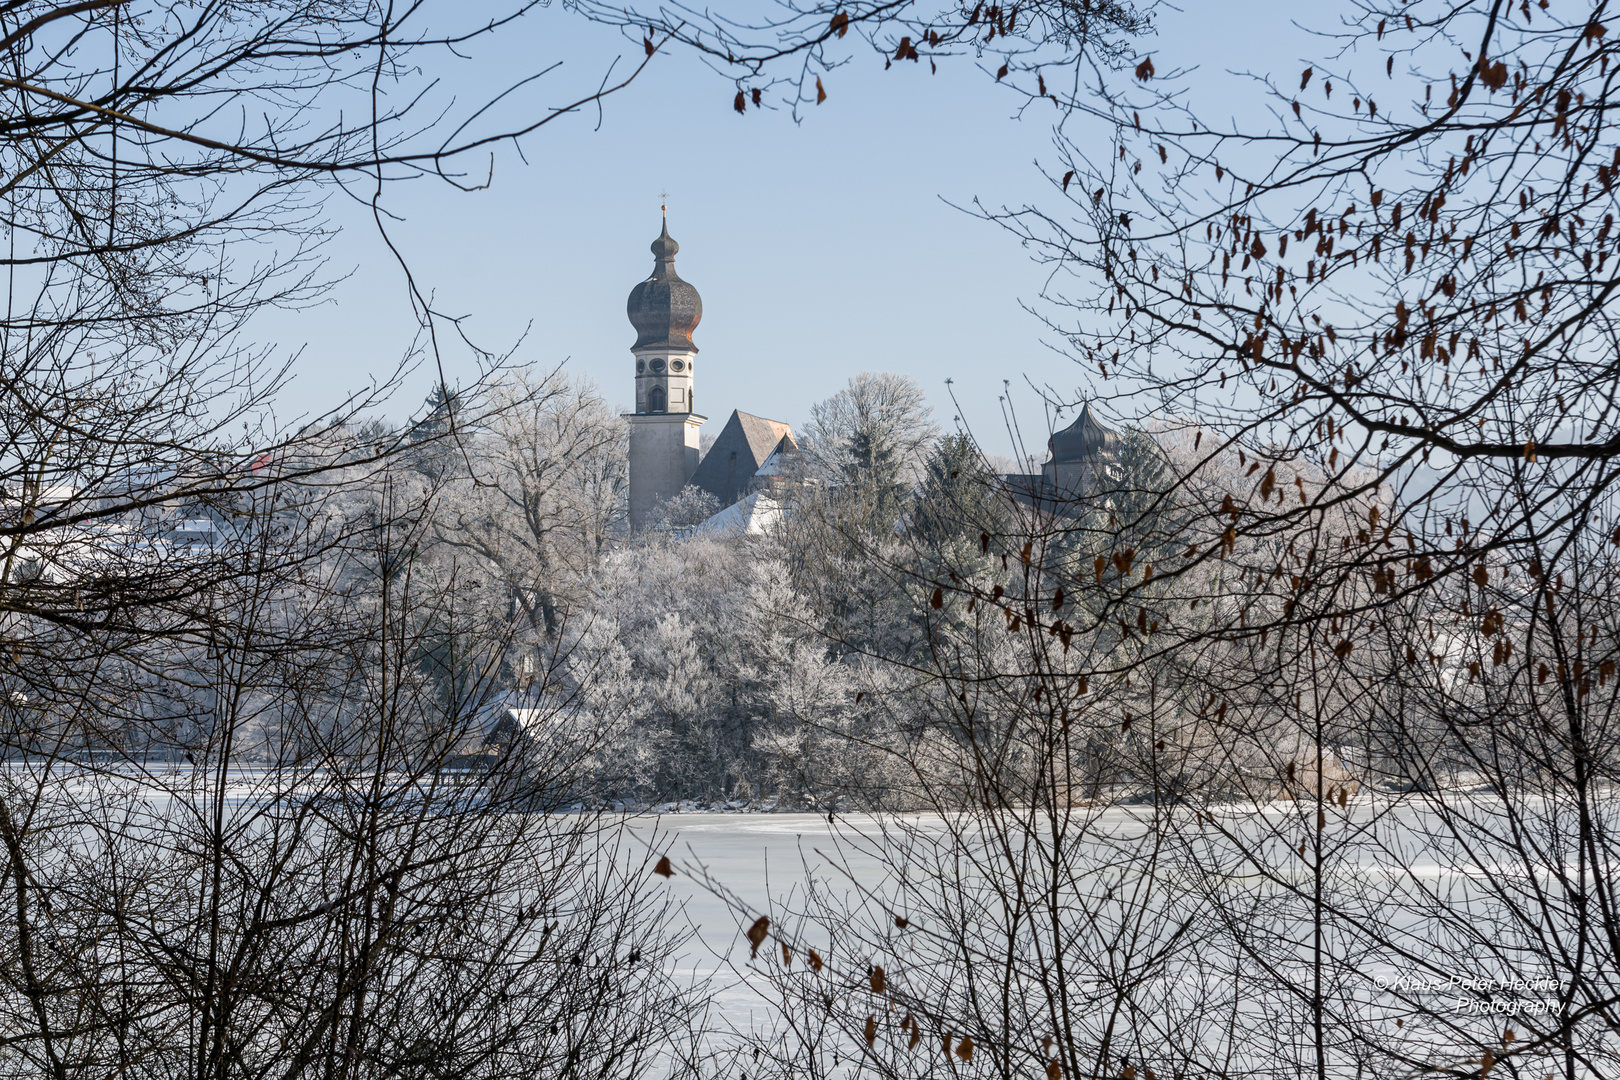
(745, 443)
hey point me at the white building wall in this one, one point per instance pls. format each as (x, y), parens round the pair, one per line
(663, 457)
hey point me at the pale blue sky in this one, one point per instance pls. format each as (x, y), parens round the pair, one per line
(820, 249)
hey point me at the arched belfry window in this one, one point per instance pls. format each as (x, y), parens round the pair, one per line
(655, 400)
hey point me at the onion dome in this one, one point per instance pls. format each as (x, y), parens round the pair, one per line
(1083, 440)
(664, 309)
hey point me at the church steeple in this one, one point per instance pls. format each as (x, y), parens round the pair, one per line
(664, 309)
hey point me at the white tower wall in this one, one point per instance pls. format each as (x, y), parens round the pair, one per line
(665, 310)
(663, 457)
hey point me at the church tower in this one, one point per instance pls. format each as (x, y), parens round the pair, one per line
(664, 428)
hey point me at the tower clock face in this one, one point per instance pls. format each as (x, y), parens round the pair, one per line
(677, 365)
(658, 365)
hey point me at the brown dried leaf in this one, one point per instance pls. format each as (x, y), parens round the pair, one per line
(871, 1030)
(664, 868)
(815, 960)
(877, 980)
(964, 1049)
(756, 934)
(840, 24)
(821, 91)
(1144, 70)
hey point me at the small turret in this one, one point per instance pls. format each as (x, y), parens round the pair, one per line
(1084, 456)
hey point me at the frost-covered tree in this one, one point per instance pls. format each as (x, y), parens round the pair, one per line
(725, 682)
(540, 491)
(870, 439)
(688, 507)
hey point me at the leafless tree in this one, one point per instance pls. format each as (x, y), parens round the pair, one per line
(776, 59)
(252, 822)
(320, 865)
(540, 492)
(1296, 755)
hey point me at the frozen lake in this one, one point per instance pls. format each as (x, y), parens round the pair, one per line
(759, 863)
(755, 858)
(1430, 897)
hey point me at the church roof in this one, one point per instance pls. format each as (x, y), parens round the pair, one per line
(745, 444)
(664, 309)
(752, 515)
(1084, 439)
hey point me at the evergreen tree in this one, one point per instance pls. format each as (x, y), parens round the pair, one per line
(958, 498)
